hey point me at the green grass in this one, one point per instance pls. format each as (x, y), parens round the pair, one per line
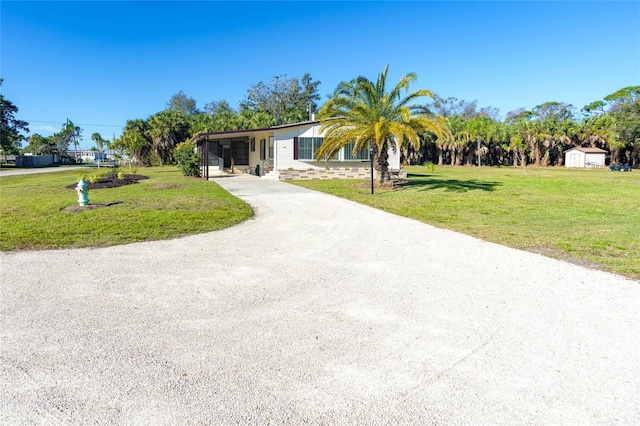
(590, 217)
(167, 205)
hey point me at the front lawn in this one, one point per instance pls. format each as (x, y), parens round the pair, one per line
(590, 217)
(35, 210)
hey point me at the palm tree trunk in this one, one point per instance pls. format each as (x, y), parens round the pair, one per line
(381, 157)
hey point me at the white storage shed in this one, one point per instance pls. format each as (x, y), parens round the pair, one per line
(584, 157)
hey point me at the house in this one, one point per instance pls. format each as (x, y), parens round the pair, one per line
(282, 152)
(584, 157)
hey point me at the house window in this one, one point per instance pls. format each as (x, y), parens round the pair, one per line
(262, 149)
(348, 153)
(214, 151)
(308, 147)
(240, 152)
(271, 143)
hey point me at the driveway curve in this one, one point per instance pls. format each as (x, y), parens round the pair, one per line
(318, 310)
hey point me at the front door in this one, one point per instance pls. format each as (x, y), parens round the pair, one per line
(226, 154)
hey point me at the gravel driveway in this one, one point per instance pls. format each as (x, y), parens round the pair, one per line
(318, 310)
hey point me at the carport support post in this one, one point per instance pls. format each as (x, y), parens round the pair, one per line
(371, 159)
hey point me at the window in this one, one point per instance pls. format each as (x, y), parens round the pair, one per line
(240, 152)
(262, 149)
(214, 151)
(348, 153)
(271, 143)
(307, 148)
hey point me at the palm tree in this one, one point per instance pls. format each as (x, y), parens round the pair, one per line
(167, 129)
(97, 138)
(454, 139)
(364, 113)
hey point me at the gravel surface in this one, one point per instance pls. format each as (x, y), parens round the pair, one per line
(318, 310)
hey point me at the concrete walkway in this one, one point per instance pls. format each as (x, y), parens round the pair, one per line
(320, 311)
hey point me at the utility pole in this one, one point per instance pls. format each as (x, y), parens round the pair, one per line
(371, 159)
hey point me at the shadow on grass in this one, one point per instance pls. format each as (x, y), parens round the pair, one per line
(426, 182)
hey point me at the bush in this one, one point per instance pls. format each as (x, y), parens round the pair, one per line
(111, 173)
(187, 159)
(431, 167)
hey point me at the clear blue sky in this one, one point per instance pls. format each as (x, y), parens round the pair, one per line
(107, 62)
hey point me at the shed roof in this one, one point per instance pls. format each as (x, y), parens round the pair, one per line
(588, 150)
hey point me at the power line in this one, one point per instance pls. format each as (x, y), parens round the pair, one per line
(79, 124)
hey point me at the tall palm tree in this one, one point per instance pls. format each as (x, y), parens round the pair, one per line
(364, 112)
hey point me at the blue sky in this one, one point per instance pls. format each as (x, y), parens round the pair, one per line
(102, 63)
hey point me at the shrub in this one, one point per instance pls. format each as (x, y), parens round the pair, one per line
(111, 173)
(154, 159)
(431, 167)
(187, 159)
(120, 175)
(93, 178)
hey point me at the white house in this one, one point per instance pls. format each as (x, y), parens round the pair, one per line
(584, 157)
(282, 152)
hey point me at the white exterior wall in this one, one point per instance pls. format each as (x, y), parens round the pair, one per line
(394, 159)
(284, 146)
(254, 156)
(594, 159)
(577, 158)
(284, 151)
(574, 158)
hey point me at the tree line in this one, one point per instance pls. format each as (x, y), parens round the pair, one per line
(537, 137)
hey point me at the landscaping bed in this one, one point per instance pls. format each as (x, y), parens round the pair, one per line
(111, 182)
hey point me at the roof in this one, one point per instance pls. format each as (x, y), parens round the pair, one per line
(206, 135)
(588, 150)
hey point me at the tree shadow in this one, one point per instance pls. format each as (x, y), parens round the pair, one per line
(427, 182)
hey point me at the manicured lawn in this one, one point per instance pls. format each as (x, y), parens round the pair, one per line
(167, 205)
(591, 217)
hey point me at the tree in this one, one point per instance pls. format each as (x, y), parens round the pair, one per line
(181, 103)
(480, 129)
(136, 142)
(10, 127)
(454, 106)
(167, 129)
(40, 145)
(100, 142)
(70, 133)
(626, 122)
(285, 100)
(546, 129)
(454, 140)
(364, 113)
(218, 117)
